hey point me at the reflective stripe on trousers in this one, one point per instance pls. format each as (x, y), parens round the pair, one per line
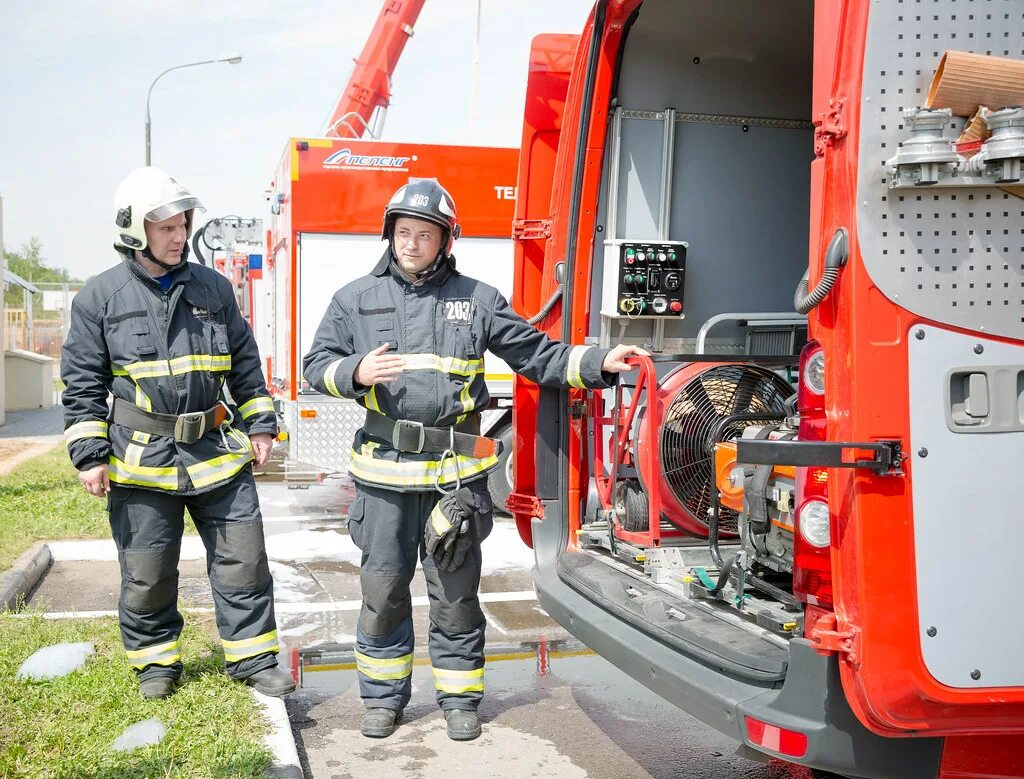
(458, 682)
(160, 654)
(250, 647)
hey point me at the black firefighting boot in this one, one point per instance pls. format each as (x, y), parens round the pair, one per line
(379, 722)
(273, 681)
(157, 687)
(463, 724)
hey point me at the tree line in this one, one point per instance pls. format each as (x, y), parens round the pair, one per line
(29, 263)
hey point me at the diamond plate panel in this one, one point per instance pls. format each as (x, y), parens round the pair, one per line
(325, 440)
(952, 255)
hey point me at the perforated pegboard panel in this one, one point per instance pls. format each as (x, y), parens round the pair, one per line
(952, 255)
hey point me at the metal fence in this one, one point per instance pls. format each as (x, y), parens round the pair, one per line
(41, 324)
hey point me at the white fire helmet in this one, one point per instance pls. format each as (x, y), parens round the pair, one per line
(149, 194)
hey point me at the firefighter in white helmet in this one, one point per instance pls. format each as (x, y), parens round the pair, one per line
(166, 338)
(407, 342)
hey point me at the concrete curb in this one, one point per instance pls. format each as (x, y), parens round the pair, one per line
(17, 584)
(280, 740)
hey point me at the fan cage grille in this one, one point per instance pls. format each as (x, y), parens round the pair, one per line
(687, 432)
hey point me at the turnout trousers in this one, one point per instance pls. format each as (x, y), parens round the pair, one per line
(388, 527)
(147, 527)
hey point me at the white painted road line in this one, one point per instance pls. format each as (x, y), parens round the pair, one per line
(304, 608)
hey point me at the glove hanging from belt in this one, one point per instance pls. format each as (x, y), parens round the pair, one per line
(448, 536)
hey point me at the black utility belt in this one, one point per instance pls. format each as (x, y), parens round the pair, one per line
(404, 435)
(183, 428)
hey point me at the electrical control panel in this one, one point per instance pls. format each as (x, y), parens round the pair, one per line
(643, 278)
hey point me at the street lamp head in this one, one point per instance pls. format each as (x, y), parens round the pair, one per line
(231, 59)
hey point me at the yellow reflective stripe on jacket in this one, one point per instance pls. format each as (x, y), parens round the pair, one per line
(457, 682)
(161, 654)
(133, 452)
(92, 428)
(329, 378)
(371, 399)
(220, 468)
(143, 476)
(433, 362)
(414, 472)
(250, 647)
(149, 369)
(467, 401)
(384, 668)
(260, 405)
(572, 368)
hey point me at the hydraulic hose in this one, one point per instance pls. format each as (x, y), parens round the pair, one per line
(836, 255)
(195, 244)
(555, 296)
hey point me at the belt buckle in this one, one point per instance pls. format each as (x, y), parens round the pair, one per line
(402, 429)
(190, 427)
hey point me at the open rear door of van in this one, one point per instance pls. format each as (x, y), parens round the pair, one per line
(551, 60)
(924, 336)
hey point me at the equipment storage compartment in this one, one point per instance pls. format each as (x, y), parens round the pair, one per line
(701, 238)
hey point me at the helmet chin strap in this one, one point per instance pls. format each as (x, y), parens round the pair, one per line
(148, 254)
(426, 272)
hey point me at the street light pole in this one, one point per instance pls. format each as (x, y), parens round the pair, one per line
(231, 59)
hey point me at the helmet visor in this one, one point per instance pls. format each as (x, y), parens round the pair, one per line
(175, 207)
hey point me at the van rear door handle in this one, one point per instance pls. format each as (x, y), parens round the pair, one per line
(969, 399)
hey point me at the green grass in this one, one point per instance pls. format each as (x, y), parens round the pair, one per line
(42, 499)
(64, 727)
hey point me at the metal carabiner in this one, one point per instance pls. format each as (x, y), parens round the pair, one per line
(449, 452)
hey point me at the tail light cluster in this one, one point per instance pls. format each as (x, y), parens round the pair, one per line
(812, 565)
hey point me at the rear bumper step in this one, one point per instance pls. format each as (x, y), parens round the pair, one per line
(809, 700)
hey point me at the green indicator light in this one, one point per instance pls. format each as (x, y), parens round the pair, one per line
(630, 252)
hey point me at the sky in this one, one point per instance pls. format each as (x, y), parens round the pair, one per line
(76, 74)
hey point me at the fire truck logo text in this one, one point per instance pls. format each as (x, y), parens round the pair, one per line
(344, 158)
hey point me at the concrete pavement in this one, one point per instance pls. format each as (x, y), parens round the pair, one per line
(552, 707)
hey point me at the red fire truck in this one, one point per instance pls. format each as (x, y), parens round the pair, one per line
(327, 201)
(802, 527)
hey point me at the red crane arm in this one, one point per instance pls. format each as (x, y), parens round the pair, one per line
(368, 88)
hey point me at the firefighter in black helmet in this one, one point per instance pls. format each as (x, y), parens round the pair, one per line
(407, 342)
(165, 336)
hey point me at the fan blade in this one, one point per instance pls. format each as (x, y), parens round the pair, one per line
(744, 392)
(697, 394)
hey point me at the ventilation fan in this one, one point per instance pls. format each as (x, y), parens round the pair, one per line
(695, 399)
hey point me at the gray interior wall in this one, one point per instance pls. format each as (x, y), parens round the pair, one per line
(741, 194)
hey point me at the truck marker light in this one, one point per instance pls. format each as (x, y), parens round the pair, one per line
(814, 373)
(814, 523)
(307, 413)
(790, 743)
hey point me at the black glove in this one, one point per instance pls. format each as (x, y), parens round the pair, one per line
(448, 536)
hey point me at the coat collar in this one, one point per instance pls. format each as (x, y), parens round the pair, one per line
(181, 275)
(386, 265)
